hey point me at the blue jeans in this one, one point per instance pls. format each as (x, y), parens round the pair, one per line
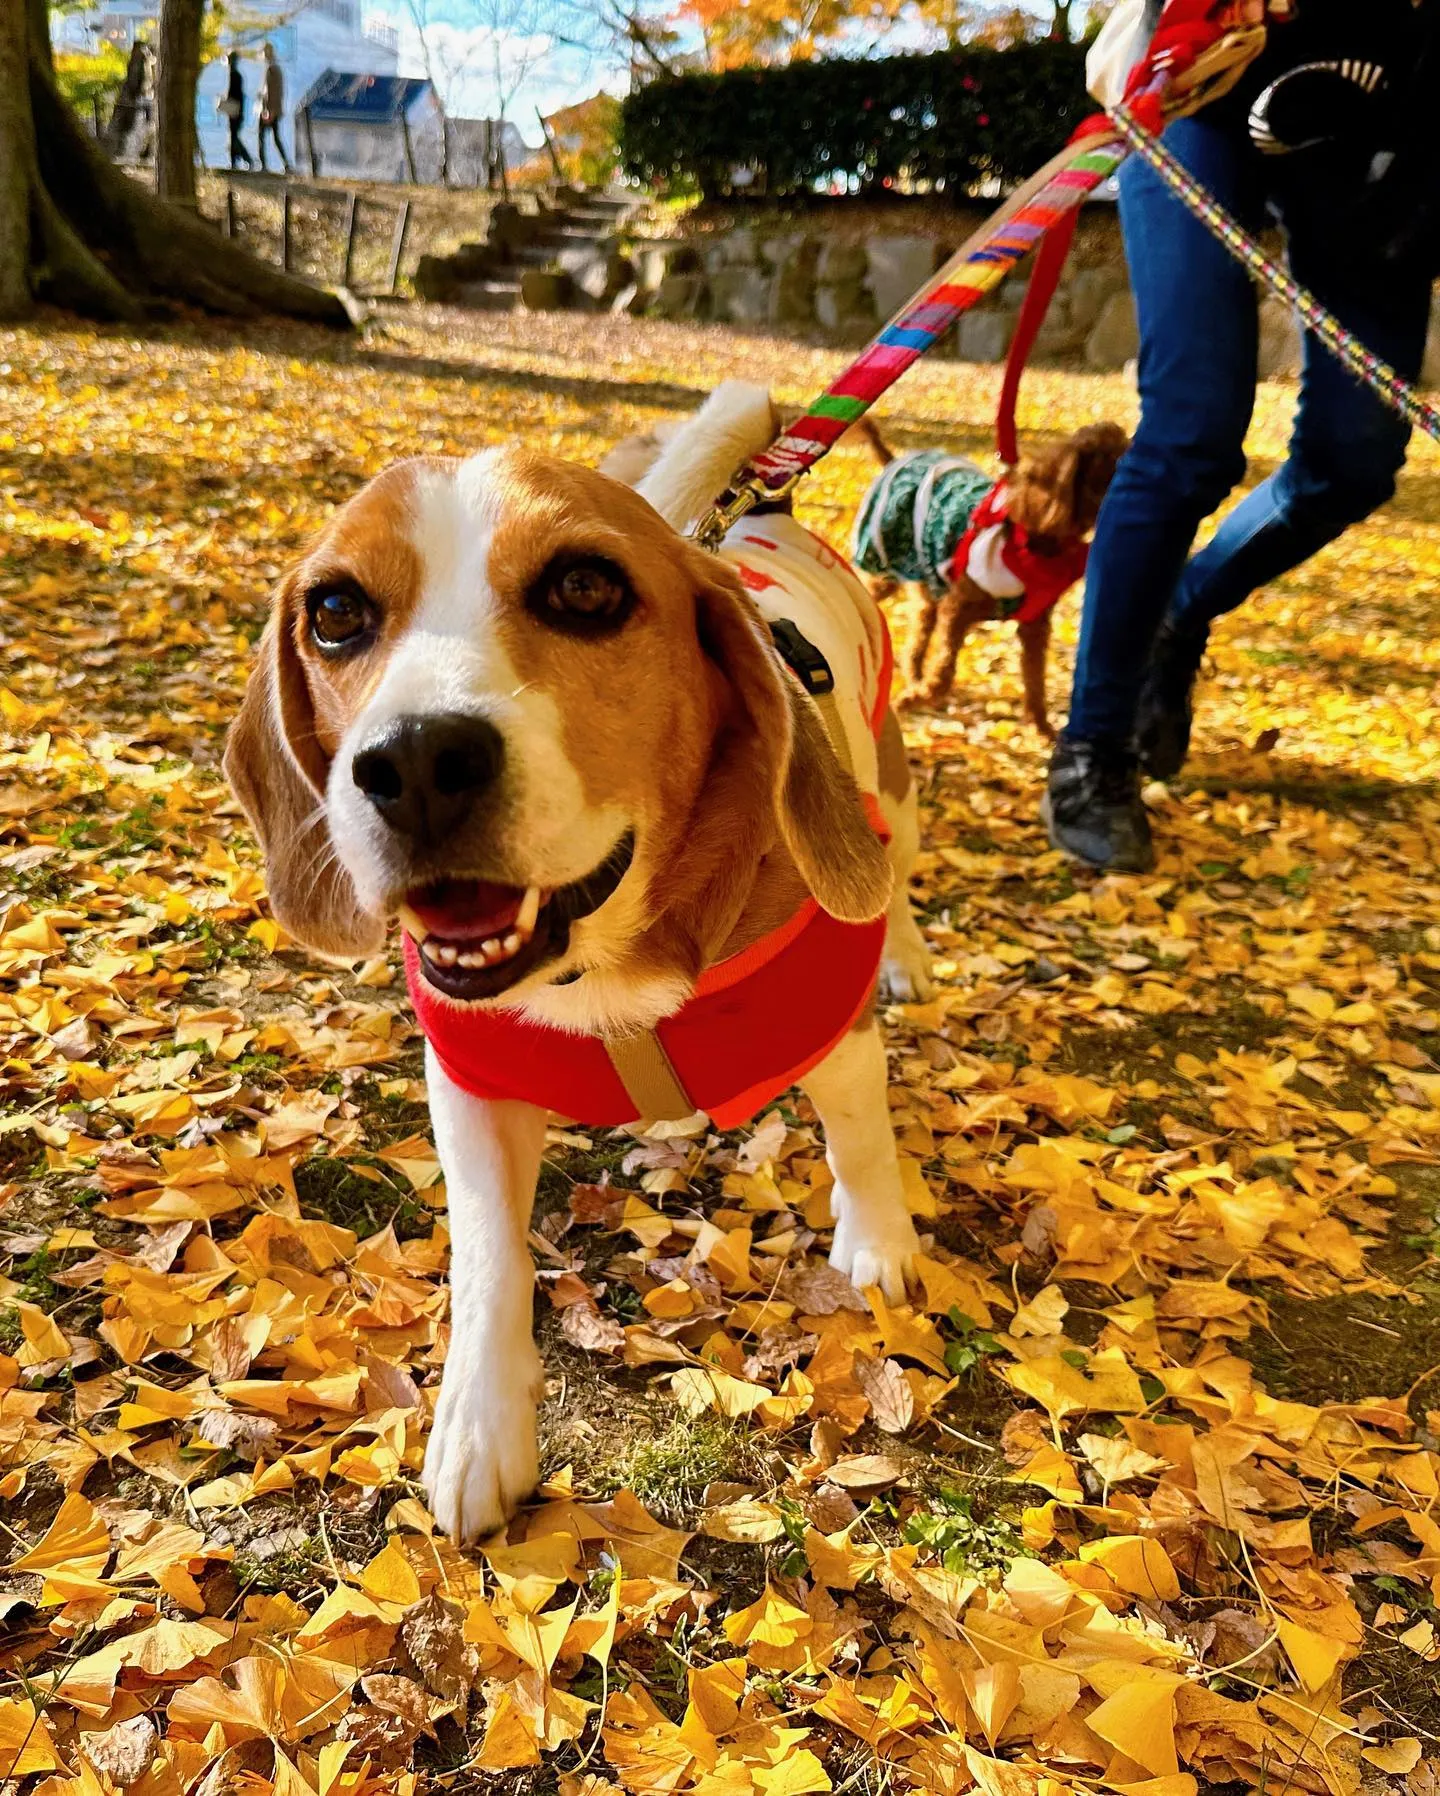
(1198, 344)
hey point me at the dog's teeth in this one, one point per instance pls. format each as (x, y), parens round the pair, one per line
(444, 955)
(411, 924)
(511, 944)
(492, 950)
(529, 911)
(471, 958)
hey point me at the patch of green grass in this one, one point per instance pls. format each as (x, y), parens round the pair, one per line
(36, 1283)
(1275, 657)
(669, 1472)
(334, 1190)
(288, 1573)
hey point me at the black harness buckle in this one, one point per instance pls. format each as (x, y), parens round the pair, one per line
(803, 659)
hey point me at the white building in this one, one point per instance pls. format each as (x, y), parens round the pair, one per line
(393, 128)
(309, 36)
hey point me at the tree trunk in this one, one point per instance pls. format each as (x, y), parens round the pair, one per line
(37, 13)
(17, 165)
(77, 232)
(177, 73)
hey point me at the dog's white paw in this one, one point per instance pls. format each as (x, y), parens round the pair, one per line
(905, 977)
(481, 1461)
(876, 1256)
(905, 966)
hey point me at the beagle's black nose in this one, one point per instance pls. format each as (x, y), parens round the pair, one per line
(423, 774)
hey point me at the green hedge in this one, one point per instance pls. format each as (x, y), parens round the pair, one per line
(957, 117)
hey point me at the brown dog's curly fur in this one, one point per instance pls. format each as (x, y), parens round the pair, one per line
(1055, 493)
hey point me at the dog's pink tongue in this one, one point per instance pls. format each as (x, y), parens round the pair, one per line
(464, 910)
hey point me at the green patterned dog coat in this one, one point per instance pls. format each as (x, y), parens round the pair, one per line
(912, 519)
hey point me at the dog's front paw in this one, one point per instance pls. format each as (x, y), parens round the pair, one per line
(481, 1461)
(876, 1256)
(905, 965)
(905, 973)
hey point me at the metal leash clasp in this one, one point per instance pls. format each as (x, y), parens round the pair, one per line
(742, 496)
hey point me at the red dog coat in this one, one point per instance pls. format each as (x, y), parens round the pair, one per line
(757, 1023)
(1046, 578)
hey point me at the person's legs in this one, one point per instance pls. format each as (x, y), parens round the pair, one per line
(260, 144)
(1198, 343)
(1345, 451)
(238, 152)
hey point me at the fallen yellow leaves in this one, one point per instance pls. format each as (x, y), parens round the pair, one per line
(1090, 1512)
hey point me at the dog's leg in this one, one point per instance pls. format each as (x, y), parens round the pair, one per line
(1034, 653)
(875, 1240)
(922, 628)
(481, 1460)
(905, 968)
(963, 606)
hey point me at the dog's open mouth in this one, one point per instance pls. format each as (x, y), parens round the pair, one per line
(477, 938)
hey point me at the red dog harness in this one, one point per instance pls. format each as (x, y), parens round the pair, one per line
(1046, 578)
(757, 1022)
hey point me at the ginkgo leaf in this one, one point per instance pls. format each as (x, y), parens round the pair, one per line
(769, 1621)
(1139, 1721)
(1044, 1314)
(77, 1534)
(390, 1578)
(42, 1341)
(1313, 1655)
(26, 1747)
(1395, 1757)
(1137, 1565)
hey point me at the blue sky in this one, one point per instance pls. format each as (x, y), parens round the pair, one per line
(551, 72)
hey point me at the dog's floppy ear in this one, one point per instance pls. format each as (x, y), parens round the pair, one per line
(817, 803)
(277, 769)
(1044, 492)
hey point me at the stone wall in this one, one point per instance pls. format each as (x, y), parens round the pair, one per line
(818, 282)
(844, 287)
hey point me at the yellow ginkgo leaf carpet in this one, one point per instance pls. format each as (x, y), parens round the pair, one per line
(1139, 1493)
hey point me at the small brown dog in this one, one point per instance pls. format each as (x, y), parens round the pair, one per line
(972, 549)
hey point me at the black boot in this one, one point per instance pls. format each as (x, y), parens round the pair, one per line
(1092, 807)
(1163, 716)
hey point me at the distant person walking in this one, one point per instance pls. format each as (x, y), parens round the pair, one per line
(272, 106)
(131, 123)
(232, 108)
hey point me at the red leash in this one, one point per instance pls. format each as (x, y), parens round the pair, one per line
(1050, 261)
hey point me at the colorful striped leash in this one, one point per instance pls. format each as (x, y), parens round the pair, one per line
(1046, 203)
(1396, 392)
(981, 263)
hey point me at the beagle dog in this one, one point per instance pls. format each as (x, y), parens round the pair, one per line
(616, 790)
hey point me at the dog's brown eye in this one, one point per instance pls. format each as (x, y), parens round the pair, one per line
(588, 590)
(341, 616)
(586, 596)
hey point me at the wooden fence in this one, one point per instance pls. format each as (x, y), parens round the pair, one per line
(356, 215)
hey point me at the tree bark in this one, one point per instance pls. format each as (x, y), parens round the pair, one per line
(17, 165)
(77, 232)
(37, 13)
(177, 73)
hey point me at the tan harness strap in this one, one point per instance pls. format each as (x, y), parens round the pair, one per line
(640, 1061)
(643, 1068)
